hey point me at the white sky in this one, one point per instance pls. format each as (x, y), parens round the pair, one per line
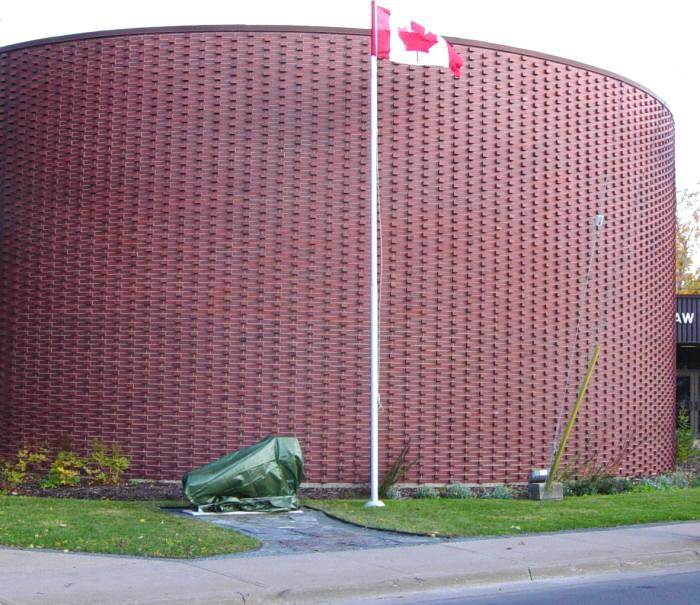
(653, 43)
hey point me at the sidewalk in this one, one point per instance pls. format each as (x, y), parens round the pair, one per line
(58, 578)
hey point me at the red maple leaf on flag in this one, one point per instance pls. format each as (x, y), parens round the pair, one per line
(417, 39)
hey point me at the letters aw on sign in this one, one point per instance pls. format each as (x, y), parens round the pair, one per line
(685, 318)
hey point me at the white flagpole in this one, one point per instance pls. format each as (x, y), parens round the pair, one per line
(374, 289)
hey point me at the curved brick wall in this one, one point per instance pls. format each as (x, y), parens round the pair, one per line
(184, 253)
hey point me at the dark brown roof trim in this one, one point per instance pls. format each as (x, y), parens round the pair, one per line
(180, 29)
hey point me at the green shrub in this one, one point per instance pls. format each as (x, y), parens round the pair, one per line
(624, 485)
(598, 484)
(27, 465)
(459, 491)
(65, 470)
(684, 436)
(502, 492)
(664, 482)
(425, 491)
(579, 487)
(677, 480)
(644, 486)
(107, 464)
(606, 485)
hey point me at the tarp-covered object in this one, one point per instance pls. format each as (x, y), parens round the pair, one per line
(261, 477)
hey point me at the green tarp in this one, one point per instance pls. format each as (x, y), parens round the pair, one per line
(261, 477)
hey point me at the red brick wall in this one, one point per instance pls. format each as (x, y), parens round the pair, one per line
(184, 254)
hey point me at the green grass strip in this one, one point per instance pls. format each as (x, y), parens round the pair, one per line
(124, 528)
(486, 517)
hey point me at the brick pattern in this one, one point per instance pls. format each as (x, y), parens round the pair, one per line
(183, 251)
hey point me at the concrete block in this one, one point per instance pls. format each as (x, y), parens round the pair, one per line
(539, 491)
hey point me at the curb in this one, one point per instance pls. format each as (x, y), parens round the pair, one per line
(416, 584)
(395, 582)
(633, 564)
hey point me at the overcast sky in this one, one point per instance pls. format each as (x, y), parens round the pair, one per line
(653, 43)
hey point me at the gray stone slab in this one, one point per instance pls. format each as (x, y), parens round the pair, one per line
(308, 532)
(539, 491)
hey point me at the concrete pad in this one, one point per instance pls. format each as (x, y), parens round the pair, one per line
(599, 543)
(324, 577)
(56, 578)
(689, 530)
(548, 548)
(316, 570)
(539, 491)
(638, 539)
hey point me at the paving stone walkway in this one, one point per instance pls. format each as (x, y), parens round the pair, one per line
(308, 532)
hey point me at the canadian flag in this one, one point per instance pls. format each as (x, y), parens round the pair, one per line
(401, 39)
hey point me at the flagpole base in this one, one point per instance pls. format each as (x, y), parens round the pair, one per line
(374, 504)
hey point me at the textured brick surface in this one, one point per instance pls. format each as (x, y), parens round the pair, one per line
(184, 255)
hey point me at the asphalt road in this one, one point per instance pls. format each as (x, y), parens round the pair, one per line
(658, 588)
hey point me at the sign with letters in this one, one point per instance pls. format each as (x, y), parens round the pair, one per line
(687, 319)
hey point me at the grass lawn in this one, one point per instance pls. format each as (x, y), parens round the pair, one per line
(124, 528)
(486, 517)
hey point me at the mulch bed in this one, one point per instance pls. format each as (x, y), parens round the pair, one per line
(156, 490)
(142, 490)
(172, 490)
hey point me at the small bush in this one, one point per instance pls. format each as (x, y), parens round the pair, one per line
(606, 486)
(644, 486)
(579, 487)
(396, 471)
(27, 466)
(502, 492)
(459, 491)
(685, 437)
(664, 482)
(677, 480)
(425, 491)
(65, 470)
(107, 464)
(599, 484)
(624, 485)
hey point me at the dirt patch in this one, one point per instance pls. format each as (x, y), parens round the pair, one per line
(167, 490)
(158, 490)
(142, 490)
(318, 493)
